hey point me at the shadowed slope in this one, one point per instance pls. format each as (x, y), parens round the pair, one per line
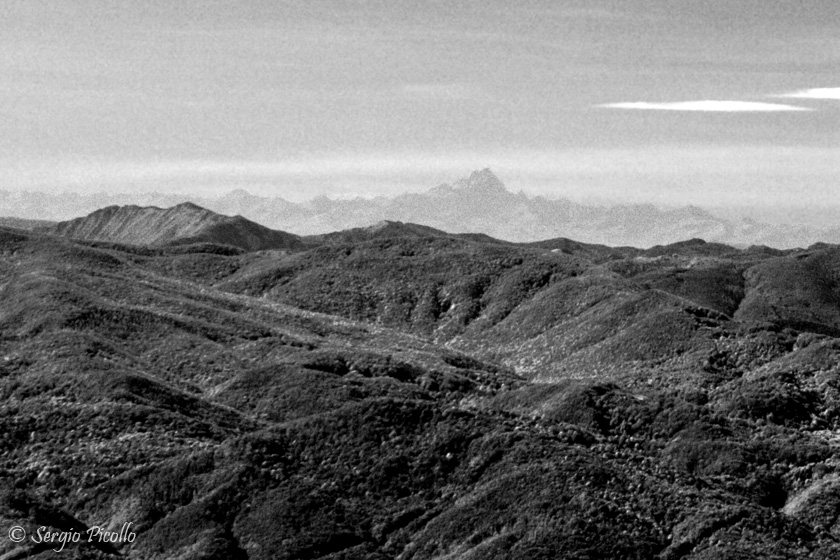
(228, 426)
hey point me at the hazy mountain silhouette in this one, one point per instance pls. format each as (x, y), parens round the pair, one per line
(478, 203)
(23, 223)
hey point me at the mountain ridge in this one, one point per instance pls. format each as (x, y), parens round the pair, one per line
(181, 224)
(477, 203)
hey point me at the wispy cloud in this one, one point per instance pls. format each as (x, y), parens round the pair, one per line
(814, 93)
(454, 91)
(758, 160)
(708, 106)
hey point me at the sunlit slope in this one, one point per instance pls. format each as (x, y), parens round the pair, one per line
(181, 224)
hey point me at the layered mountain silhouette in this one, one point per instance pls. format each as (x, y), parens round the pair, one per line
(478, 203)
(23, 223)
(182, 224)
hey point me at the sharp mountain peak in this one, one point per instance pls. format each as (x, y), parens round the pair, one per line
(483, 180)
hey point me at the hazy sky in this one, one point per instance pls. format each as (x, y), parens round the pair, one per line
(669, 101)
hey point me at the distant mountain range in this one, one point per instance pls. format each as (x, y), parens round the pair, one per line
(478, 203)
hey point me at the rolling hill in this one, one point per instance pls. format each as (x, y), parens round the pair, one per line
(402, 392)
(182, 224)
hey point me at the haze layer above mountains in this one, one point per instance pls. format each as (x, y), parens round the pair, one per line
(398, 391)
(479, 203)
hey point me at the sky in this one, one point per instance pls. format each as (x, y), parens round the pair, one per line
(715, 103)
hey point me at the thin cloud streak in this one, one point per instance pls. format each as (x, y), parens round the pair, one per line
(708, 106)
(666, 160)
(456, 91)
(814, 93)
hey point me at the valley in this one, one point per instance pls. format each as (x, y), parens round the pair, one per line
(398, 391)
